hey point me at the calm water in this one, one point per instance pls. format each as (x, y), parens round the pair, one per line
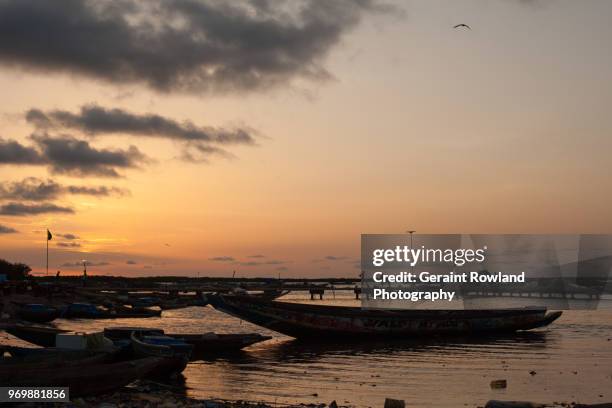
(572, 360)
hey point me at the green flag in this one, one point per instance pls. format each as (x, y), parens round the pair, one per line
(49, 235)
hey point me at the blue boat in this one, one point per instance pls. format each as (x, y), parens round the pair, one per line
(36, 312)
(175, 352)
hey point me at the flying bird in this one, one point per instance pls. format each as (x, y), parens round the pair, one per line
(462, 25)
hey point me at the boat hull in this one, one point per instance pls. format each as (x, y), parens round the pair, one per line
(41, 336)
(36, 313)
(212, 343)
(174, 359)
(322, 322)
(91, 379)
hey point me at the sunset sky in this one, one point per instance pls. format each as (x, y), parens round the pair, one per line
(177, 138)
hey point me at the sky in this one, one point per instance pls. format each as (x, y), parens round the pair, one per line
(200, 138)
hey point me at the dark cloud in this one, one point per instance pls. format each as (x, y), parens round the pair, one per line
(258, 263)
(68, 244)
(197, 141)
(30, 188)
(71, 156)
(335, 258)
(99, 191)
(67, 155)
(130, 262)
(68, 236)
(35, 189)
(183, 45)
(95, 119)
(7, 230)
(222, 259)
(20, 209)
(13, 152)
(256, 256)
(79, 264)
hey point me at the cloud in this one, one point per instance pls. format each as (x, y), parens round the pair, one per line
(130, 262)
(95, 119)
(79, 264)
(30, 188)
(197, 141)
(7, 230)
(71, 156)
(97, 191)
(256, 256)
(222, 259)
(257, 263)
(13, 152)
(282, 268)
(68, 155)
(35, 189)
(20, 209)
(335, 258)
(186, 45)
(68, 236)
(68, 244)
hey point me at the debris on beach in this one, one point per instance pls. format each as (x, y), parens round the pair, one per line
(513, 404)
(393, 403)
(528, 404)
(499, 384)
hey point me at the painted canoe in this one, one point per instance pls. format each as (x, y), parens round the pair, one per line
(91, 379)
(212, 343)
(90, 311)
(175, 353)
(327, 322)
(205, 343)
(41, 336)
(37, 313)
(22, 358)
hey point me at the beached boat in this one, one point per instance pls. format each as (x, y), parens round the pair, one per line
(117, 333)
(175, 353)
(205, 343)
(213, 343)
(330, 322)
(82, 380)
(182, 303)
(35, 312)
(90, 311)
(270, 294)
(41, 336)
(20, 358)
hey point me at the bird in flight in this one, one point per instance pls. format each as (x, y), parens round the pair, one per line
(462, 25)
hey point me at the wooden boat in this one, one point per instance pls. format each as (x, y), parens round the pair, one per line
(41, 336)
(175, 353)
(125, 332)
(182, 303)
(330, 322)
(21, 358)
(213, 343)
(206, 343)
(35, 312)
(90, 311)
(83, 380)
(270, 294)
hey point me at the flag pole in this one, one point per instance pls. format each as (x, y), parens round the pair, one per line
(49, 236)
